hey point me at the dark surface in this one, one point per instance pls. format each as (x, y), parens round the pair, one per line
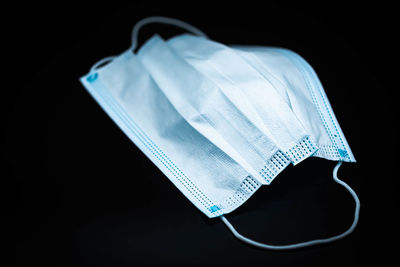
(77, 192)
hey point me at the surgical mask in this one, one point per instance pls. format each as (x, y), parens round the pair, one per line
(153, 110)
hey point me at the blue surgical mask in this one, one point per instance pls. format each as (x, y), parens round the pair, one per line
(217, 133)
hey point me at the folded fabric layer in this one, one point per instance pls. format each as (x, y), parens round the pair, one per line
(210, 109)
(297, 83)
(231, 73)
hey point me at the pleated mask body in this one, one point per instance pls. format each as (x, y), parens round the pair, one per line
(210, 108)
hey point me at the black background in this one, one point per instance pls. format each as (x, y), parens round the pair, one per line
(77, 192)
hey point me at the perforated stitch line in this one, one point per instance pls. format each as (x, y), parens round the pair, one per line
(245, 189)
(301, 150)
(196, 193)
(326, 151)
(274, 166)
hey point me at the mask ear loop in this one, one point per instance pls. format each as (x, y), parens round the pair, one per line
(164, 20)
(149, 20)
(308, 243)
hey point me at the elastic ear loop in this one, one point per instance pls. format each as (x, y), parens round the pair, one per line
(148, 20)
(308, 243)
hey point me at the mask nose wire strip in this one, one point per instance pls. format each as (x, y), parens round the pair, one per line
(148, 20)
(308, 243)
